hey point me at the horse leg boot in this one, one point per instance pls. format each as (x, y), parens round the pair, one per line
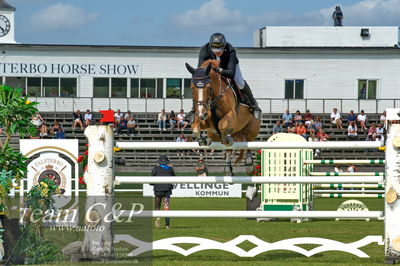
(254, 105)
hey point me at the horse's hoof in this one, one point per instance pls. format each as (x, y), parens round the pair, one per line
(228, 141)
(228, 170)
(202, 142)
(208, 141)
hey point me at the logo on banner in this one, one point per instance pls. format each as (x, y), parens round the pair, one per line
(52, 169)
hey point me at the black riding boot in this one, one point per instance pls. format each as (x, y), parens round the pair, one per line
(254, 105)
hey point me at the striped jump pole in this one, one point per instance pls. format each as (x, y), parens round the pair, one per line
(332, 186)
(347, 174)
(344, 162)
(343, 195)
(348, 191)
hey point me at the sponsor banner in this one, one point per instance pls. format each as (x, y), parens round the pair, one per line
(200, 190)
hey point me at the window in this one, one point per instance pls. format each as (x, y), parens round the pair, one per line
(101, 87)
(68, 87)
(147, 88)
(134, 88)
(174, 88)
(186, 89)
(50, 87)
(367, 89)
(160, 88)
(34, 87)
(294, 89)
(119, 87)
(15, 82)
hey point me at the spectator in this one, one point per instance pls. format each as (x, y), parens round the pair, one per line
(54, 129)
(291, 128)
(362, 119)
(172, 119)
(37, 121)
(312, 129)
(201, 168)
(371, 134)
(297, 118)
(88, 118)
(277, 128)
(60, 134)
(44, 130)
(338, 169)
(380, 130)
(322, 136)
(161, 120)
(162, 192)
(383, 120)
(128, 115)
(182, 123)
(181, 138)
(308, 118)
(352, 117)
(122, 125)
(117, 117)
(352, 131)
(78, 119)
(318, 123)
(351, 168)
(336, 119)
(287, 118)
(301, 130)
(131, 125)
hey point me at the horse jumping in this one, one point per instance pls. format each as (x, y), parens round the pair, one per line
(217, 110)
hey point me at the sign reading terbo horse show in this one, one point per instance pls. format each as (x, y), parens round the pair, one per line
(200, 190)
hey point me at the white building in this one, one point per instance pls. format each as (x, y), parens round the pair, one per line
(315, 68)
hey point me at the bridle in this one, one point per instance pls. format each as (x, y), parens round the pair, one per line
(201, 83)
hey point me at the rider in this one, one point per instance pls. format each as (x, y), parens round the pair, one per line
(219, 49)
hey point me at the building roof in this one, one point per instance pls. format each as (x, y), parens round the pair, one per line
(186, 49)
(6, 6)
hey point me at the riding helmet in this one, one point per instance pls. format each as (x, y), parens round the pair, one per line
(217, 42)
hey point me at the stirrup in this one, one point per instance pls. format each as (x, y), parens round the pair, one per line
(191, 117)
(256, 112)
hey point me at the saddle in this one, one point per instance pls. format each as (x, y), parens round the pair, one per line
(241, 98)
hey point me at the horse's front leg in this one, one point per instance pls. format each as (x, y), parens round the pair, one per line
(228, 170)
(225, 126)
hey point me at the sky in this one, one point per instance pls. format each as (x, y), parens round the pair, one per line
(182, 22)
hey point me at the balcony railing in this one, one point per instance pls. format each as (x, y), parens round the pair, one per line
(268, 105)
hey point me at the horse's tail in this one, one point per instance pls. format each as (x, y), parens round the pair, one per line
(241, 153)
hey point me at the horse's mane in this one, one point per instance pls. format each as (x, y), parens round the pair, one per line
(214, 63)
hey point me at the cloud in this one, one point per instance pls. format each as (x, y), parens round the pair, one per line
(211, 14)
(217, 16)
(61, 17)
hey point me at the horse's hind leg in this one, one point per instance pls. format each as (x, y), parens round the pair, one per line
(228, 170)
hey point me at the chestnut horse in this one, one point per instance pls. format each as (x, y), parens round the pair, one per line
(217, 111)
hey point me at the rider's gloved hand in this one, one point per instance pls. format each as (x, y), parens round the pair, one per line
(218, 69)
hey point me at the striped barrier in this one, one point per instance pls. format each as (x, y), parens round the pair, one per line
(343, 195)
(349, 186)
(346, 174)
(344, 162)
(349, 191)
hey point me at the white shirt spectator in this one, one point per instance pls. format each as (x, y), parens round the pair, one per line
(88, 116)
(379, 131)
(118, 116)
(335, 116)
(131, 122)
(338, 169)
(181, 117)
(361, 117)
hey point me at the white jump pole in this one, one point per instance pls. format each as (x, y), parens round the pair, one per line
(344, 161)
(254, 214)
(245, 179)
(341, 145)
